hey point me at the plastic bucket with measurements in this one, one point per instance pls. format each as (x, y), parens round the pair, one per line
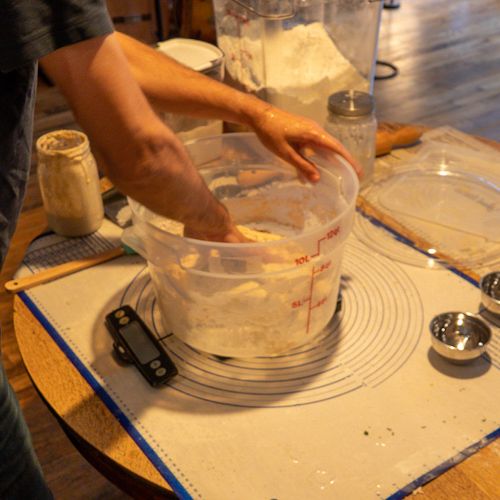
(252, 299)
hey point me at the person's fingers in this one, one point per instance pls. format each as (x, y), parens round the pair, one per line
(305, 166)
(228, 235)
(297, 156)
(235, 236)
(328, 142)
(307, 133)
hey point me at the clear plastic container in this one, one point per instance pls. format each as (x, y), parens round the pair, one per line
(252, 299)
(204, 58)
(295, 53)
(447, 199)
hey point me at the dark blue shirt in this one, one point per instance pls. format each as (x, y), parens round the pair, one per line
(29, 30)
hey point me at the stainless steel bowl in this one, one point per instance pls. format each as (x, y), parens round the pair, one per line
(490, 292)
(459, 337)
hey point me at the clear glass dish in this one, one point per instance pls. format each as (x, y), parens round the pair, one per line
(445, 202)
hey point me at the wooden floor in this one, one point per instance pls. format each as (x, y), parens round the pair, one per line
(448, 55)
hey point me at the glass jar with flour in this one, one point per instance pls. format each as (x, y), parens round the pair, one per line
(351, 119)
(69, 183)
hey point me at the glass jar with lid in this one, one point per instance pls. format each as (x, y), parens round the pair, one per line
(351, 119)
(69, 183)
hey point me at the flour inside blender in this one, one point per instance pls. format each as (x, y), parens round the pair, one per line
(302, 66)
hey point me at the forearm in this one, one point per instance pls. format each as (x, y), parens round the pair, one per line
(141, 155)
(172, 87)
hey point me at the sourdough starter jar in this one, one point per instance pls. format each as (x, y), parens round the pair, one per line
(69, 183)
(351, 119)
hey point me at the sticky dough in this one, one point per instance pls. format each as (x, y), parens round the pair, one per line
(258, 236)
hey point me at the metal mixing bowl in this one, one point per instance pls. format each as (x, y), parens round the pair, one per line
(490, 292)
(459, 337)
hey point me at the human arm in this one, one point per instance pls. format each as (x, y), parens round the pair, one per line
(172, 87)
(142, 157)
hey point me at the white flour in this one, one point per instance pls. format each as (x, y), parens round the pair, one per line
(295, 69)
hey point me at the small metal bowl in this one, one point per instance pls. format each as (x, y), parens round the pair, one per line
(459, 337)
(490, 292)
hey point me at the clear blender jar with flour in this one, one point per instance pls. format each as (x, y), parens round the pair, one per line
(295, 53)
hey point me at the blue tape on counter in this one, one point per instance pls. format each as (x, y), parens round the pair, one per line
(448, 464)
(179, 490)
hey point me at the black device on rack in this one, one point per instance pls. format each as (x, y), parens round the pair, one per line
(134, 343)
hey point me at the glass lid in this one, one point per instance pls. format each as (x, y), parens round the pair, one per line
(443, 204)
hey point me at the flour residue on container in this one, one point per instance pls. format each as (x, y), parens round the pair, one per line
(295, 69)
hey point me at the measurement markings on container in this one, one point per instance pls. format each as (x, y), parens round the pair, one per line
(305, 259)
(329, 235)
(322, 301)
(308, 300)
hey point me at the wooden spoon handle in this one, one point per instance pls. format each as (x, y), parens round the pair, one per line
(18, 285)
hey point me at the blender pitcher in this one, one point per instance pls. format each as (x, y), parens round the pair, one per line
(295, 53)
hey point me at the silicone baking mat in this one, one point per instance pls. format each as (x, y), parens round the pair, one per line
(368, 410)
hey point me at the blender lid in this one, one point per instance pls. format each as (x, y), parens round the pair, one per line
(195, 54)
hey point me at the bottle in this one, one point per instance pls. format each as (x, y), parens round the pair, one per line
(351, 119)
(69, 183)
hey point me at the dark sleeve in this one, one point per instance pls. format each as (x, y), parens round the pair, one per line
(30, 29)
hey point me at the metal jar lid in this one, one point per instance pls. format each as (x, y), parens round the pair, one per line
(351, 103)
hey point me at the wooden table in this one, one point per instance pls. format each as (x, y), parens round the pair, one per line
(102, 440)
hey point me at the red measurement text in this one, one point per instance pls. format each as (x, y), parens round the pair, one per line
(299, 303)
(302, 260)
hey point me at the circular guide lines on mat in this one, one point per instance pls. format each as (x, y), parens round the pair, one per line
(365, 343)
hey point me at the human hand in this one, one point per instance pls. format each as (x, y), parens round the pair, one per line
(289, 136)
(227, 234)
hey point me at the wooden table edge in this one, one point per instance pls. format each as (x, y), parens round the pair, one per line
(63, 389)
